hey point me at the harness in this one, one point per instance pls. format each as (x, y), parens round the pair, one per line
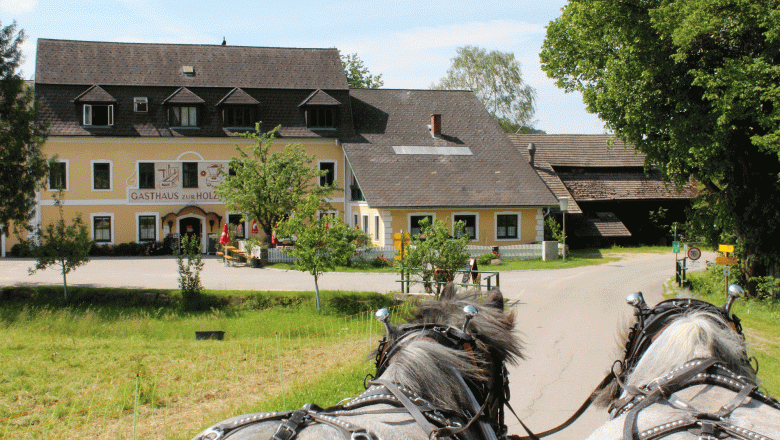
(708, 426)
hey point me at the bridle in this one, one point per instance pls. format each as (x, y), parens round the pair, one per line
(493, 395)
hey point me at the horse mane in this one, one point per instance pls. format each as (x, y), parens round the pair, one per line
(425, 367)
(698, 334)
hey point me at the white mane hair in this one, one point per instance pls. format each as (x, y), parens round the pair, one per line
(698, 334)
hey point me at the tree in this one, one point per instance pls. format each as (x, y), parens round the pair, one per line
(22, 165)
(434, 255)
(189, 272)
(268, 186)
(61, 244)
(320, 245)
(495, 79)
(358, 76)
(695, 85)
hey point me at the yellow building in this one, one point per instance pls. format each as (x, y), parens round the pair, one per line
(144, 132)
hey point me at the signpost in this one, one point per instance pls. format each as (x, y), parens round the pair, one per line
(401, 241)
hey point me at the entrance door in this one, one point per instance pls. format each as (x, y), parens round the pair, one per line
(190, 227)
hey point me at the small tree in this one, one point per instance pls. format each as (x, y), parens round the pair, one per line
(189, 271)
(320, 245)
(435, 255)
(268, 186)
(61, 244)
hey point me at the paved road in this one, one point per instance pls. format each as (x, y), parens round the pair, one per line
(568, 318)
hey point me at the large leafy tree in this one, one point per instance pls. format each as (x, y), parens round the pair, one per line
(22, 165)
(495, 79)
(695, 85)
(358, 75)
(268, 185)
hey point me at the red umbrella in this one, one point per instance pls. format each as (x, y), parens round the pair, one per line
(224, 239)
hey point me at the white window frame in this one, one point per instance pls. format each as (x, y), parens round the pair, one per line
(67, 176)
(376, 227)
(365, 224)
(110, 174)
(87, 119)
(244, 225)
(335, 169)
(92, 226)
(519, 217)
(157, 232)
(418, 214)
(140, 100)
(476, 223)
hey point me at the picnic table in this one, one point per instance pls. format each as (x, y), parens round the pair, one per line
(232, 254)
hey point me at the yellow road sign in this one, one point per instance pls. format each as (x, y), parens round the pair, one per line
(726, 248)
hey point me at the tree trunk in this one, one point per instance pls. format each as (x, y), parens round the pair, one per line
(317, 292)
(64, 281)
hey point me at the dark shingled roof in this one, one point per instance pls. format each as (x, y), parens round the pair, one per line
(494, 174)
(183, 96)
(68, 62)
(238, 96)
(581, 150)
(318, 97)
(95, 94)
(605, 170)
(602, 224)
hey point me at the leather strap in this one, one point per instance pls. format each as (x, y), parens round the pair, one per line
(418, 416)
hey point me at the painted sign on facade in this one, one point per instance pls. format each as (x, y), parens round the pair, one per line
(187, 183)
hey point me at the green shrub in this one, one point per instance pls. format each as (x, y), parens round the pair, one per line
(484, 260)
(21, 250)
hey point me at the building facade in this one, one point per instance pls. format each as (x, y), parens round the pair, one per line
(143, 133)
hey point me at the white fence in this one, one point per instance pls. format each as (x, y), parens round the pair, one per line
(513, 252)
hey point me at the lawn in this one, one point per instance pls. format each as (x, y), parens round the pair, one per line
(72, 371)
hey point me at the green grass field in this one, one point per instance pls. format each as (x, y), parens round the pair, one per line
(75, 371)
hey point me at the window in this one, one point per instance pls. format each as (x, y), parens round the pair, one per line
(58, 176)
(414, 223)
(183, 117)
(98, 115)
(376, 228)
(356, 223)
(506, 226)
(329, 178)
(101, 229)
(238, 116)
(141, 105)
(321, 117)
(471, 224)
(189, 178)
(101, 175)
(235, 221)
(365, 223)
(147, 228)
(146, 175)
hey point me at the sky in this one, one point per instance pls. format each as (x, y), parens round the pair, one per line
(410, 43)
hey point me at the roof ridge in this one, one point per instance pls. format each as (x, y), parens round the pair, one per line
(184, 44)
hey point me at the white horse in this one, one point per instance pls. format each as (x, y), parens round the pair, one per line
(686, 375)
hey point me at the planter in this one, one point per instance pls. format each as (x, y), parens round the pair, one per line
(219, 335)
(256, 263)
(263, 256)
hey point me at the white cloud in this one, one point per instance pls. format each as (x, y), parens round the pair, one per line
(18, 6)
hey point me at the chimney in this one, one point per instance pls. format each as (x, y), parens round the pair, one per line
(436, 125)
(531, 153)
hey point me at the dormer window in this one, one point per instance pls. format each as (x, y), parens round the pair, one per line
(239, 116)
(101, 115)
(141, 105)
(321, 118)
(181, 116)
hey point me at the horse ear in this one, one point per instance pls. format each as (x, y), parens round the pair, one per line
(495, 299)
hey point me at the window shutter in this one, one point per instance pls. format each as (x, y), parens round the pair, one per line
(87, 114)
(111, 114)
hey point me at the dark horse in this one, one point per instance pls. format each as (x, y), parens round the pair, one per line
(441, 375)
(686, 375)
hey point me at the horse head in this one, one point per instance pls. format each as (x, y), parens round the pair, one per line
(452, 353)
(674, 332)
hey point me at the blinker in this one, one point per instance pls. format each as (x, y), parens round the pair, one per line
(735, 291)
(383, 315)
